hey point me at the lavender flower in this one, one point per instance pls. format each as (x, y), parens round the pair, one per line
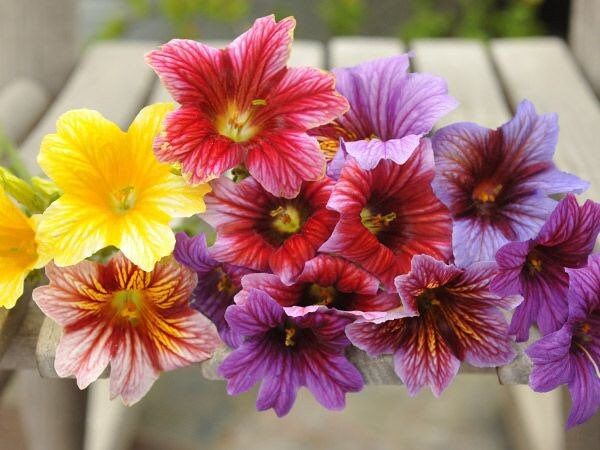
(497, 183)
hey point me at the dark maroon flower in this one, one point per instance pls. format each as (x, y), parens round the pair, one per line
(449, 316)
(571, 355)
(265, 233)
(535, 268)
(497, 183)
(327, 281)
(388, 215)
(288, 352)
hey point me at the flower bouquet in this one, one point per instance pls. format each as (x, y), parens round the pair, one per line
(337, 218)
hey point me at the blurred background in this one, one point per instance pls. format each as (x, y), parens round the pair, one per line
(184, 411)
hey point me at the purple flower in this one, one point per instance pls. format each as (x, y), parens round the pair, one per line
(390, 110)
(449, 316)
(288, 352)
(217, 283)
(571, 355)
(535, 268)
(497, 183)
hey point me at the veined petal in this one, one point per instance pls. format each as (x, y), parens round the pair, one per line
(188, 70)
(132, 373)
(304, 98)
(76, 156)
(368, 153)
(425, 359)
(283, 161)
(584, 388)
(84, 353)
(259, 55)
(72, 229)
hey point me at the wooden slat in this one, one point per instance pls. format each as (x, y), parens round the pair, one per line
(349, 51)
(543, 71)
(22, 102)
(112, 78)
(584, 37)
(471, 79)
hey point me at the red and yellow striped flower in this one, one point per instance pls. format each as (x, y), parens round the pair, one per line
(139, 322)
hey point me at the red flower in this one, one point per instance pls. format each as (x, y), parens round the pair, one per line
(389, 214)
(243, 105)
(266, 233)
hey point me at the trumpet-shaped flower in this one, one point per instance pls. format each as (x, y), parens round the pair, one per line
(218, 283)
(390, 110)
(243, 105)
(571, 355)
(326, 281)
(287, 352)
(257, 230)
(388, 215)
(139, 322)
(535, 268)
(116, 193)
(20, 251)
(449, 316)
(497, 183)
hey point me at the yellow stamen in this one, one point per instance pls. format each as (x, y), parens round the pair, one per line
(124, 199)
(290, 334)
(128, 304)
(259, 102)
(487, 192)
(236, 125)
(376, 223)
(323, 295)
(287, 220)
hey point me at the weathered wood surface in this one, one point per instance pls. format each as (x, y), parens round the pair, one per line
(38, 40)
(22, 102)
(349, 51)
(584, 38)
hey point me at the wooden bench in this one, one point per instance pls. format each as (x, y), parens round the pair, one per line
(488, 80)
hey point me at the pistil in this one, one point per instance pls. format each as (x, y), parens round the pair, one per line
(376, 223)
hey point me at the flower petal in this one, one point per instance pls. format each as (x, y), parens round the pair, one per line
(282, 161)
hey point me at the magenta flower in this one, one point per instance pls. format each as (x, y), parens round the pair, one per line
(449, 316)
(288, 352)
(571, 355)
(266, 233)
(218, 283)
(388, 215)
(243, 105)
(497, 183)
(326, 281)
(535, 268)
(390, 110)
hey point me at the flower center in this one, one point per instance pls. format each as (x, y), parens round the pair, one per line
(123, 199)
(322, 295)
(239, 173)
(376, 222)
(534, 263)
(286, 219)
(581, 339)
(486, 192)
(128, 304)
(236, 124)
(290, 335)
(224, 283)
(329, 147)
(428, 299)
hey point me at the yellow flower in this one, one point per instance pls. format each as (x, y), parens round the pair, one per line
(115, 191)
(18, 250)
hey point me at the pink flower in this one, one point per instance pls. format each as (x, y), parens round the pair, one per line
(139, 322)
(243, 105)
(262, 232)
